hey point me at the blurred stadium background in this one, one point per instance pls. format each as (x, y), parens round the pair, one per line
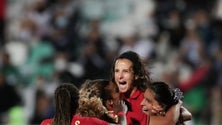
(44, 43)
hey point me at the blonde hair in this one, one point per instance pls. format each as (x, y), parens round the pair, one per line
(93, 94)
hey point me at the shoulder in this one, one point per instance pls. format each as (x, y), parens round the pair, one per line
(46, 122)
(137, 94)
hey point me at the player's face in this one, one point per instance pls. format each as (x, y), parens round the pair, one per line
(149, 104)
(124, 75)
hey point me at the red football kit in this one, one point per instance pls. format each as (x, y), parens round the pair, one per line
(46, 122)
(79, 120)
(134, 115)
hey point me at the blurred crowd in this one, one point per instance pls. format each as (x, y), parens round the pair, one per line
(48, 42)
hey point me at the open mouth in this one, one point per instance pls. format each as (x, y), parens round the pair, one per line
(122, 83)
(145, 110)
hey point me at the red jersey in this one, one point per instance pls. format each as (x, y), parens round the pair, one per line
(46, 122)
(134, 115)
(79, 120)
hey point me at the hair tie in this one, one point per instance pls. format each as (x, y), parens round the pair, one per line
(177, 94)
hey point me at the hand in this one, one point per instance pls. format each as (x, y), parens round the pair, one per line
(185, 115)
(123, 120)
(158, 110)
(120, 107)
(124, 106)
